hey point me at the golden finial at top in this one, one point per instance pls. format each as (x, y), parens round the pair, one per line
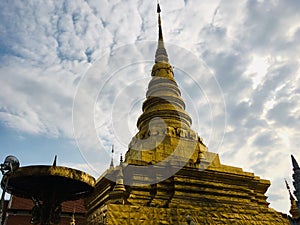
(161, 53)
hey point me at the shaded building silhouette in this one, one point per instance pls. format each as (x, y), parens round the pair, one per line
(295, 202)
(19, 212)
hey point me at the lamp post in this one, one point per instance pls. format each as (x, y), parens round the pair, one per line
(11, 163)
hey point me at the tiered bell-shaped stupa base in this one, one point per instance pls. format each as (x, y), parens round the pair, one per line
(219, 194)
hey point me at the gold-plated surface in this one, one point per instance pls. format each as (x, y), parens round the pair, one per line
(210, 192)
(164, 126)
(205, 215)
(218, 195)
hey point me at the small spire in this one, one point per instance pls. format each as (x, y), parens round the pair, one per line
(112, 157)
(294, 162)
(287, 185)
(121, 160)
(120, 181)
(118, 195)
(54, 162)
(293, 209)
(158, 7)
(72, 220)
(161, 53)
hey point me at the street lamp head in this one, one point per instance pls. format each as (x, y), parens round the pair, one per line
(11, 163)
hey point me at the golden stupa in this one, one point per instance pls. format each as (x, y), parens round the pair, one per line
(169, 176)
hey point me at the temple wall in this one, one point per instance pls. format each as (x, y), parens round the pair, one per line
(209, 215)
(218, 195)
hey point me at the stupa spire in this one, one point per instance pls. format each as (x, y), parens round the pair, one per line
(164, 125)
(161, 53)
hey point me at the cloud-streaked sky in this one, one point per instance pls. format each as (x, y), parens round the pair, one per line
(236, 62)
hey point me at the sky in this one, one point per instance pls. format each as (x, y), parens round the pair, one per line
(74, 74)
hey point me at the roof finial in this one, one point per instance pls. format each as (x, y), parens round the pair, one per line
(55, 160)
(121, 160)
(287, 185)
(158, 7)
(72, 219)
(161, 53)
(112, 157)
(294, 162)
(293, 209)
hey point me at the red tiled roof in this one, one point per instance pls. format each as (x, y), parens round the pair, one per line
(18, 220)
(25, 220)
(27, 204)
(20, 203)
(77, 205)
(19, 211)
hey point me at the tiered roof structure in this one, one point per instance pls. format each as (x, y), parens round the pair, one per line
(295, 203)
(296, 177)
(19, 212)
